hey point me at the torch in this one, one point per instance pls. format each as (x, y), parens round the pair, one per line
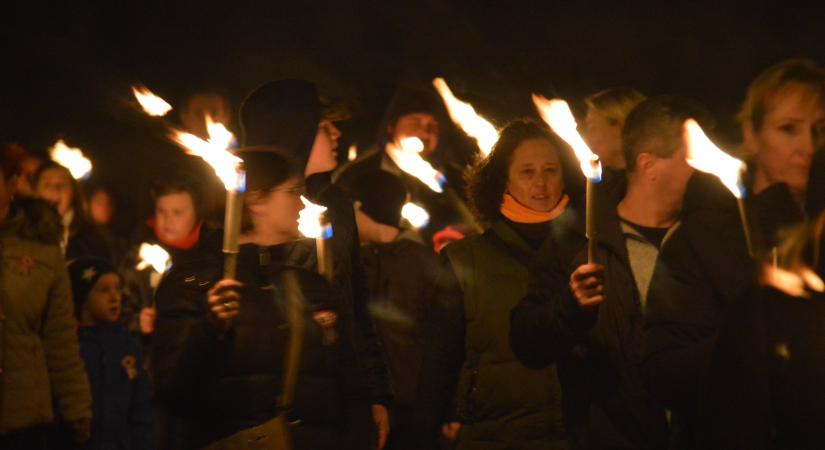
(151, 103)
(155, 257)
(407, 156)
(705, 156)
(215, 152)
(465, 116)
(71, 158)
(311, 224)
(415, 215)
(557, 114)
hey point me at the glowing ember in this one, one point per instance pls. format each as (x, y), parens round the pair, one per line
(310, 220)
(703, 155)
(557, 114)
(71, 158)
(352, 153)
(151, 103)
(465, 116)
(407, 157)
(795, 283)
(215, 151)
(154, 256)
(417, 216)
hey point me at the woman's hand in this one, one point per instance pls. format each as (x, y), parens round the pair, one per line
(224, 303)
(587, 286)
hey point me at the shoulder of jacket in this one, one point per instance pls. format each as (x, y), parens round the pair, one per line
(41, 222)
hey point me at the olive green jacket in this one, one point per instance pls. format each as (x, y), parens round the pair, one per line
(39, 353)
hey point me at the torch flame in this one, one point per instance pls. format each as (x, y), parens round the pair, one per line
(352, 153)
(557, 114)
(705, 156)
(151, 103)
(154, 256)
(71, 158)
(215, 152)
(795, 283)
(417, 216)
(310, 220)
(465, 116)
(406, 155)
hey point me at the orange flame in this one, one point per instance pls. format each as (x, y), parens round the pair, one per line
(151, 103)
(71, 158)
(465, 116)
(407, 156)
(415, 215)
(795, 283)
(557, 114)
(215, 151)
(310, 220)
(154, 256)
(705, 156)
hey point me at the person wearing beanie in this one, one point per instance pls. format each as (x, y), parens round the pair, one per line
(289, 114)
(219, 346)
(401, 274)
(121, 407)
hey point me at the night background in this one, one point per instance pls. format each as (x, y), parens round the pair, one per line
(68, 69)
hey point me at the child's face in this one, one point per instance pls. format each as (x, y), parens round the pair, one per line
(103, 304)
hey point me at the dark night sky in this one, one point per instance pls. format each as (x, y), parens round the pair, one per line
(68, 68)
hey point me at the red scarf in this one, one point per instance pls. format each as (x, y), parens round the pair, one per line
(185, 243)
(515, 211)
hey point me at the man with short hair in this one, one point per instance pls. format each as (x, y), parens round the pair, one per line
(587, 317)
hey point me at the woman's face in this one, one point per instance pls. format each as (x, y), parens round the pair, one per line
(792, 129)
(276, 210)
(55, 186)
(604, 138)
(322, 157)
(534, 178)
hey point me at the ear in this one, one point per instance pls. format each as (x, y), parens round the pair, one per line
(254, 201)
(749, 137)
(646, 165)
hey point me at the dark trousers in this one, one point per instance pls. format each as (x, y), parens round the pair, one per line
(35, 438)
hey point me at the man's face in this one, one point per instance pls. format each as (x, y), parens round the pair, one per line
(424, 126)
(672, 174)
(175, 216)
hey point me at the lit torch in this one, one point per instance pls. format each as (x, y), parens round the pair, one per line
(72, 159)
(466, 117)
(311, 224)
(154, 256)
(151, 103)
(557, 114)
(416, 216)
(705, 156)
(228, 167)
(407, 156)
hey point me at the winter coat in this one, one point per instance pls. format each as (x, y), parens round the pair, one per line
(702, 269)
(598, 353)
(215, 384)
(764, 386)
(38, 333)
(120, 388)
(350, 281)
(500, 403)
(401, 278)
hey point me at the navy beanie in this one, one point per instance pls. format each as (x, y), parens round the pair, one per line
(84, 273)
(382, 196)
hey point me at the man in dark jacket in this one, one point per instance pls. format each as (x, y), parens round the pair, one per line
(288, 114)
(587, 316)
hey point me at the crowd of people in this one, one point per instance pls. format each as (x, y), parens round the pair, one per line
(695, 325)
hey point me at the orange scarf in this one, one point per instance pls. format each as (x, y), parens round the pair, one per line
(515, 211)
(185, 243)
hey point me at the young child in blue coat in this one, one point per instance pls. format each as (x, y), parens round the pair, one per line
(121, 409)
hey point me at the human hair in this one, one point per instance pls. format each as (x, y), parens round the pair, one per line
(655, 127)
(804, 246)
(179, 183)
(266, 168)
(81, 217)
(775, 79)
(11, 160)
(615, 103)
(487, 179)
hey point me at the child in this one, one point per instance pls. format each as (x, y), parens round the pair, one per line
(121, 413)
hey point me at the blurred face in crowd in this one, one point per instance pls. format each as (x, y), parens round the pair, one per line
(274, 212)
(29, 167)
(198, 106)
(101, 207)
(103, 303)
(424, 126)
(534, 178)
(792, 129)
(55, 186)
(604, 138)
(322, 157)
(668, 175)
(175, 216)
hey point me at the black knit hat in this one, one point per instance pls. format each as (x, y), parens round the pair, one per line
(285, 113)
(382, 196)
(408, 101)
(84, 273)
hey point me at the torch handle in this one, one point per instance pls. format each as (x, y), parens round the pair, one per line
(743, 216)
(590, 223)
(230, 264)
